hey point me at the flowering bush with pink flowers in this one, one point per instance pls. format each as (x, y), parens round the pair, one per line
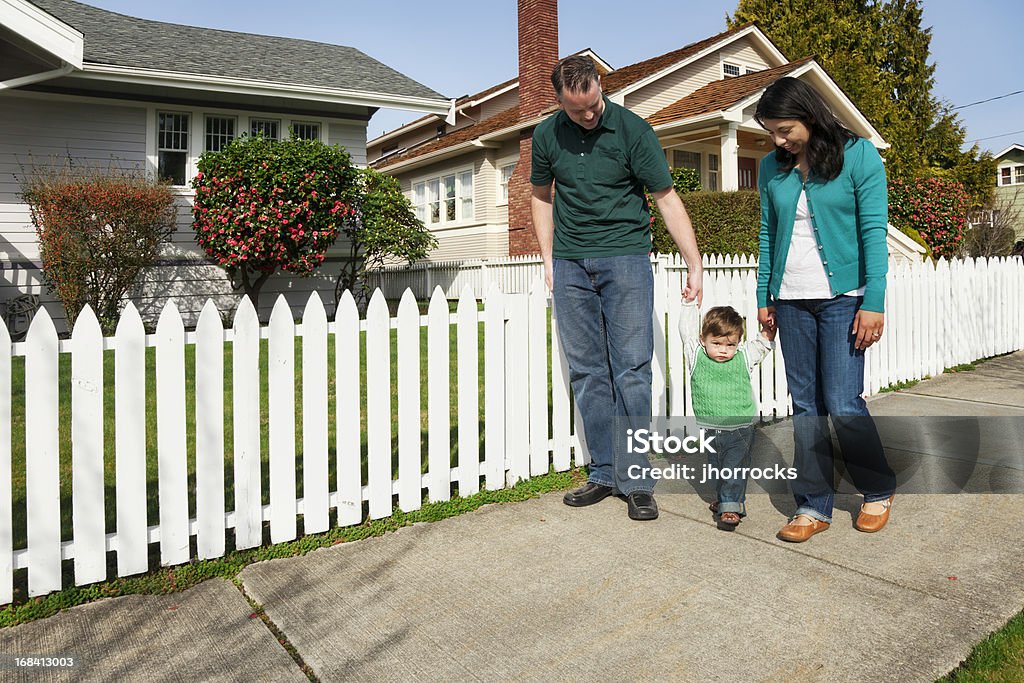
(263, 205)
(934, 207)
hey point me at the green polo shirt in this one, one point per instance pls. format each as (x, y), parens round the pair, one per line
(599, 206)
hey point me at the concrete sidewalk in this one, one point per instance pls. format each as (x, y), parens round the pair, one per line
(537, 590)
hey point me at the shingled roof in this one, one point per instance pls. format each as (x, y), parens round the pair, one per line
(610, 82)
(628, 75)
(120, 40)
(723, 94)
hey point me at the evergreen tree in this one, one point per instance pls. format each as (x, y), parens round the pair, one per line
(877, 52)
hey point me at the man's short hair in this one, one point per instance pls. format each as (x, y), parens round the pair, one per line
(576, 73)
(722, 321)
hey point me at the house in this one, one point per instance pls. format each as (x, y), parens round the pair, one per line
(1010, 185)
(463, 174)
(96, 86)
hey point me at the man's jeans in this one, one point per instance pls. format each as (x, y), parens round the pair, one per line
(604, 308)
(826, 378)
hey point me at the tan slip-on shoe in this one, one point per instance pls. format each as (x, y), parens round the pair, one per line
(798, 533)
(872, 523)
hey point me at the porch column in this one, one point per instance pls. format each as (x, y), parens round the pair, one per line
(730, 158)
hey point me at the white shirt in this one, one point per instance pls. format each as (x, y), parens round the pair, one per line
(804, 277)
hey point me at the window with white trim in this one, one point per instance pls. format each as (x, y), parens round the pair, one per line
(220, 130)
(305, 131)
(750, 70)
(268, 128)
(1011, 175)
(504, 175)
(713, 172)
(172, 146)
(444, 199)
(730, 70)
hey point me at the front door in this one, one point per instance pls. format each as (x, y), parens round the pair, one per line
(747, 168)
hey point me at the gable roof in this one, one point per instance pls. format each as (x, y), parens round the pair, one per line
(118, 40)
(610, 82)
(723, 94)
(628, 75)
(1015, 147)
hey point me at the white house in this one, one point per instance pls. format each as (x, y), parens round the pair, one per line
(97, 86)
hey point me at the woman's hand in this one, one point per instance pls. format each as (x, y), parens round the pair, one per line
(867, 328)
(766, 320)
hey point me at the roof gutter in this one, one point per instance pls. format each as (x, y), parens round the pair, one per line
(238, 86)
(36, 78)
(475, 143)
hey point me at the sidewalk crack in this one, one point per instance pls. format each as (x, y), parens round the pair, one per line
(282, 639)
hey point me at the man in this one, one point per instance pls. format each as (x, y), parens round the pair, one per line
(595, 239)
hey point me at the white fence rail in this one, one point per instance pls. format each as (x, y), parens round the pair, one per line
(937, 316)
(512, 275)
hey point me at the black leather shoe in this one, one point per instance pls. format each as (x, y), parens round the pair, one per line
(642, 506)
(588, 494)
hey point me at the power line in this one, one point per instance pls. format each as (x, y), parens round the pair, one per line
(991, 99)
(1001, 135)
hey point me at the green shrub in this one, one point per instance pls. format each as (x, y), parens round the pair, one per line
(916, 236)
(724, 223)
(934, 207)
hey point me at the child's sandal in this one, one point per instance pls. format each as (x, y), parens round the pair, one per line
(728, 521)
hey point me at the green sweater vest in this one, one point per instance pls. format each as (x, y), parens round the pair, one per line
(722, 391)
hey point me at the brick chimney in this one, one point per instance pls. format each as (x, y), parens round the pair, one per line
(538, 54)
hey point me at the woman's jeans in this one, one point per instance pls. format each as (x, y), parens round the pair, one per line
(605, 308)
(826, 378)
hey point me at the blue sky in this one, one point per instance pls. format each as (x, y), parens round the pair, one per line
(459, 47)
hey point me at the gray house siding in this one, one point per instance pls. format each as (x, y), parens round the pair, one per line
(40, 129)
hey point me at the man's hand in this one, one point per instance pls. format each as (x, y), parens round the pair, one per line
(694, 286)
(867, 328)
(549, 277)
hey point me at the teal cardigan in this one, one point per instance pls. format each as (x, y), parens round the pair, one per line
(850, 218)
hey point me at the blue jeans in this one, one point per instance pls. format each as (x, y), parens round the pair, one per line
(826, 378)
(732, 450)
(605, 308)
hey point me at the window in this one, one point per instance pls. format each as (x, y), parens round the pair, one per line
(730, 70)
(683, 159)
(750, 70)
(220, 130)
(713, 172)
(446, 199)
(504, 175)
(1011, 175)
(306, 131)
(172, 146)
(269, 128)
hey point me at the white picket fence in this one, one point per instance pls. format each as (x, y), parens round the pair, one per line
(515, 274)
(936, 317)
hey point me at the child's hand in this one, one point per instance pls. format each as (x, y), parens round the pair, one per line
(769, 333)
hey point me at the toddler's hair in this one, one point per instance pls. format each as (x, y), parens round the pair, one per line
(722, 321)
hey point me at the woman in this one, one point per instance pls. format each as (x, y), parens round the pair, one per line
(821, 283)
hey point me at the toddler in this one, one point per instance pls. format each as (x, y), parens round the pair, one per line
(723, 398)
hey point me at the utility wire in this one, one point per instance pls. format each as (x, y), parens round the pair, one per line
(1002, 135)
(991, 99)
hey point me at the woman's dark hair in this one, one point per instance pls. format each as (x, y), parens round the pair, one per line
(791, 98)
